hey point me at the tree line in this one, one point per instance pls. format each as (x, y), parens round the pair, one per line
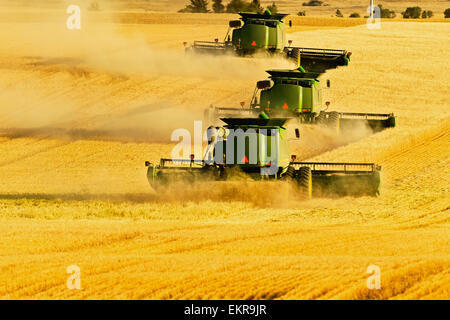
(234, 6)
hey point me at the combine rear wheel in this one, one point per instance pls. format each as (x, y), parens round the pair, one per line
(304, 179)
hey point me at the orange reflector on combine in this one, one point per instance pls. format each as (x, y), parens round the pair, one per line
(254, 43)
(244, 159)
(285, 106)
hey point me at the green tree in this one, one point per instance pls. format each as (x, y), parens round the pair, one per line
(386, 13)
(254, 6)
(354, 15)
(301, 13)
(273, 8)
(217, 6)
(412, 13)
(339, 13)
(429, 13)
(196, 6)
(447, 13)
(236, 6)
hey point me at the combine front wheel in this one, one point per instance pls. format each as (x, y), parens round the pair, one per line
(304, 178)
(333, 121)
(290, 173)
(321, 118)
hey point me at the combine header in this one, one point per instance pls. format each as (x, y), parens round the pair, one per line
(258, 149)
(295, 94)
(256, 32)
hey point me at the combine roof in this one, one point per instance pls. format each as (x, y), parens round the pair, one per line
(274, 16)
(286, 73)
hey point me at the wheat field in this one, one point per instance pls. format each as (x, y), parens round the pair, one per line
(81, 111)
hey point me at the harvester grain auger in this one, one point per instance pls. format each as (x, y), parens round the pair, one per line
(295, 94)
(258, 148)
(256, 32)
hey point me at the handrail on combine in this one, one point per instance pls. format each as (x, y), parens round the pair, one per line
(209, 44)
(163, 161)
(339, 166)
(222, 111)
(324, 50)
(230, 112)
(315, 166)
(233, 109)
(366, 116)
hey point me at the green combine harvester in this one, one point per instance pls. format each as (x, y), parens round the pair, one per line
(257, 148)
(256, 32)
(295, 94)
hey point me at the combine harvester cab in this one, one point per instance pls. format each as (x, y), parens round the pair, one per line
(256, 32)
(295, 94)
(253, 32)
(257, 148)
(259, 31)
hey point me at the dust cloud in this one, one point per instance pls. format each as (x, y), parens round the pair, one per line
(317, 139)
(71, 57)
(274, 194)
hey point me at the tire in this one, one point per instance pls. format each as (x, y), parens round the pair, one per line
(290, 173)
(211, 173)
(222, 174)
(304, 179)
(321, 118)
(296, 55)
(156, 182)
(333, 121)
(293, 53)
